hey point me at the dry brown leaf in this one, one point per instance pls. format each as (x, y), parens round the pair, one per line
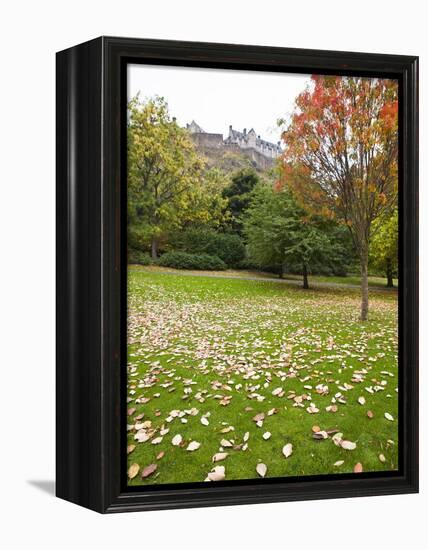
(160, 455)
(320, 435)
(130, 448)
(370, 414)
(133, 470)
(149, 470)
(316, 429)
(358, 468)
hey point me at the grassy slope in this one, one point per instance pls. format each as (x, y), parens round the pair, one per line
(261, 335)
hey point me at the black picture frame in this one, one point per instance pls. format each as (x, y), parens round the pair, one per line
(91, 273)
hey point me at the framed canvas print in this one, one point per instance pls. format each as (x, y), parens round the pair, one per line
(236, 274)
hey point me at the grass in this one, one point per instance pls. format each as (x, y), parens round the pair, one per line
(195, 340)
(353, 280)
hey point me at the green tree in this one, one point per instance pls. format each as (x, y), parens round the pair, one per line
(164, 174)
(280, 233)
(238, 194)
(384, 247)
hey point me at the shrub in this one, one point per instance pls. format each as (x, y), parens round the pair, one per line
(138, 257)
(227, 247)
(183, 260)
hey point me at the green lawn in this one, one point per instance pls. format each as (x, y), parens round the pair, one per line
(217, 349)
(353, 280)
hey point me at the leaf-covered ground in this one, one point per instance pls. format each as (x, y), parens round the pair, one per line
(273, 380)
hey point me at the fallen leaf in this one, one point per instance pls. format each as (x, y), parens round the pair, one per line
(261, 469)
(370, 414)
(193, 446)
(205, 421)
(133, 471)
(338, 463)
(316, 429)
(382, 458)
(226, 443)
(217, 474)
(389, 417)
(287, 450)
(362, 400)
(157, 440)
(320, 435)
(160, 455)
(337, 439)
(177, 440)
(130, 448)
(246, 436)
(149, 470)
(358, 468)
(142, 436)
(266, 435)
(227, 429)
(219, 456)
(348, 445)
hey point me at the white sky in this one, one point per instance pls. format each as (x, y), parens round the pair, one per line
(215, 98)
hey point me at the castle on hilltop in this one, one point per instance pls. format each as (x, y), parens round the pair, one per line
(262, 152)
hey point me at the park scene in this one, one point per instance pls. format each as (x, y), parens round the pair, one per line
(262, 275)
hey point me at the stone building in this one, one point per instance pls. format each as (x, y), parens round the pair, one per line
(204, 139)
(250, 140)
(257, 148)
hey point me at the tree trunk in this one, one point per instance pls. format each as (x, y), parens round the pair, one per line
(281, 272)
(154, 247)
(305, 276)
(389, 278)
(364, 260)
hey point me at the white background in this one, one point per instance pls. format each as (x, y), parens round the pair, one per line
(30, 33)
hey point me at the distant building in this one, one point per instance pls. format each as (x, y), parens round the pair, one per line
(204, 139)
(248, 141)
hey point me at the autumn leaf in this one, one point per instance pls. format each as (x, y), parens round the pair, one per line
(261, 469)
(133, 471)
(149, 470)
(287, 450)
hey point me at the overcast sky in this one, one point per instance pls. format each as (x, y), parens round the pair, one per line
(215, 98)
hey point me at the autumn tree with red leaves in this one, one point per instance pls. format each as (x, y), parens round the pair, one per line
(341, 154)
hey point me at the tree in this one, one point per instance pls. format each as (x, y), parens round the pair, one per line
(384, 247)
(340, 155)
(237, 194)
(279, 233)
(164, 173)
